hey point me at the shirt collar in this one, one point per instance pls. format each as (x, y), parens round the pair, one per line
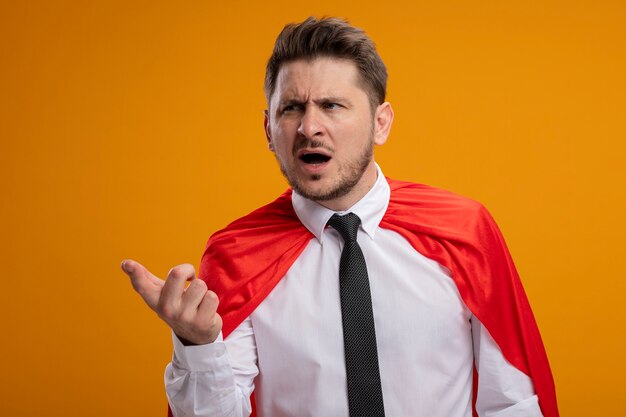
(370, 209)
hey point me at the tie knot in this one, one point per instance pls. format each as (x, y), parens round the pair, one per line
(346, 225)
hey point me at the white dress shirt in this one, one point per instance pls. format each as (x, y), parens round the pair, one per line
(290, 349)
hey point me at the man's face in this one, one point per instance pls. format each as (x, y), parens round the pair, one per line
(322, 130)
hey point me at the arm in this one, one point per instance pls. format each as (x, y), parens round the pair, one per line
(202, 379)
(503, 390)
(215, 379)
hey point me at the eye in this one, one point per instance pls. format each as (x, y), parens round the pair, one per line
(331, 106)
(289, 108)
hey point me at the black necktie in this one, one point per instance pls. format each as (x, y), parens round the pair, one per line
(365, 396)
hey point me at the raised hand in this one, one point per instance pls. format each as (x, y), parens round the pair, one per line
(191, 312)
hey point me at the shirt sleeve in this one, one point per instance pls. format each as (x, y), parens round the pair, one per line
(214, 379)
(503, 390)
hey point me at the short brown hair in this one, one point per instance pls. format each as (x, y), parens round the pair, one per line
(329, 37)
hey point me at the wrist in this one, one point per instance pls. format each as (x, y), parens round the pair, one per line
(186, 342)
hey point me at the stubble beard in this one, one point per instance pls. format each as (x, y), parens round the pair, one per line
(349, 176)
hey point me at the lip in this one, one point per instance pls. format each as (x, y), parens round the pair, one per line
(313, 169)
(320, 151)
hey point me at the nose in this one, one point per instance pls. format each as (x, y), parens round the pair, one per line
(310, 123)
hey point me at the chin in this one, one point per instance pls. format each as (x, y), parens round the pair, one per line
(310, 191)
(322, 190)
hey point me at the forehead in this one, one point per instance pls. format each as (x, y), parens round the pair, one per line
(303, 79)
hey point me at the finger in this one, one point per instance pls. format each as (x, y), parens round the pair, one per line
(208, 305)
(207, 313)
(174, 286)
(145, 283)
(193, 295)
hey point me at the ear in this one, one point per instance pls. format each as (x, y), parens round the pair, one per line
(383, 118)
(266, 126)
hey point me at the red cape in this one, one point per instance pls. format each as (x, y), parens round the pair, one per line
(243, 263)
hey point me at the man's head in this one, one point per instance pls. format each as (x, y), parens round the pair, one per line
(325, 114)
(330, 38)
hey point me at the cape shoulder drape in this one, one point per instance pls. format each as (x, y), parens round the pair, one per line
(243, 263)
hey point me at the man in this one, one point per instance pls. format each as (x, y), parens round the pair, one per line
(437, 295)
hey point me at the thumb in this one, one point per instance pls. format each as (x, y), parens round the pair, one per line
(144, 282)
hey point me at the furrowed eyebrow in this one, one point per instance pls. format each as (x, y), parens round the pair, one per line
(290, 102)
(323, 100)
(332, 99)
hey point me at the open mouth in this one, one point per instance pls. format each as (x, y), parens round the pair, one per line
(314, 158)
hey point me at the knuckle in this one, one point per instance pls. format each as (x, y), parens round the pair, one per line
(189, 268)
(175, 272)
(212, 297)
(167, 311)
(217, 322)
(181, 271)
(198, 285)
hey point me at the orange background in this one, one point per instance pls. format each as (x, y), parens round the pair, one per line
(134, 129)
